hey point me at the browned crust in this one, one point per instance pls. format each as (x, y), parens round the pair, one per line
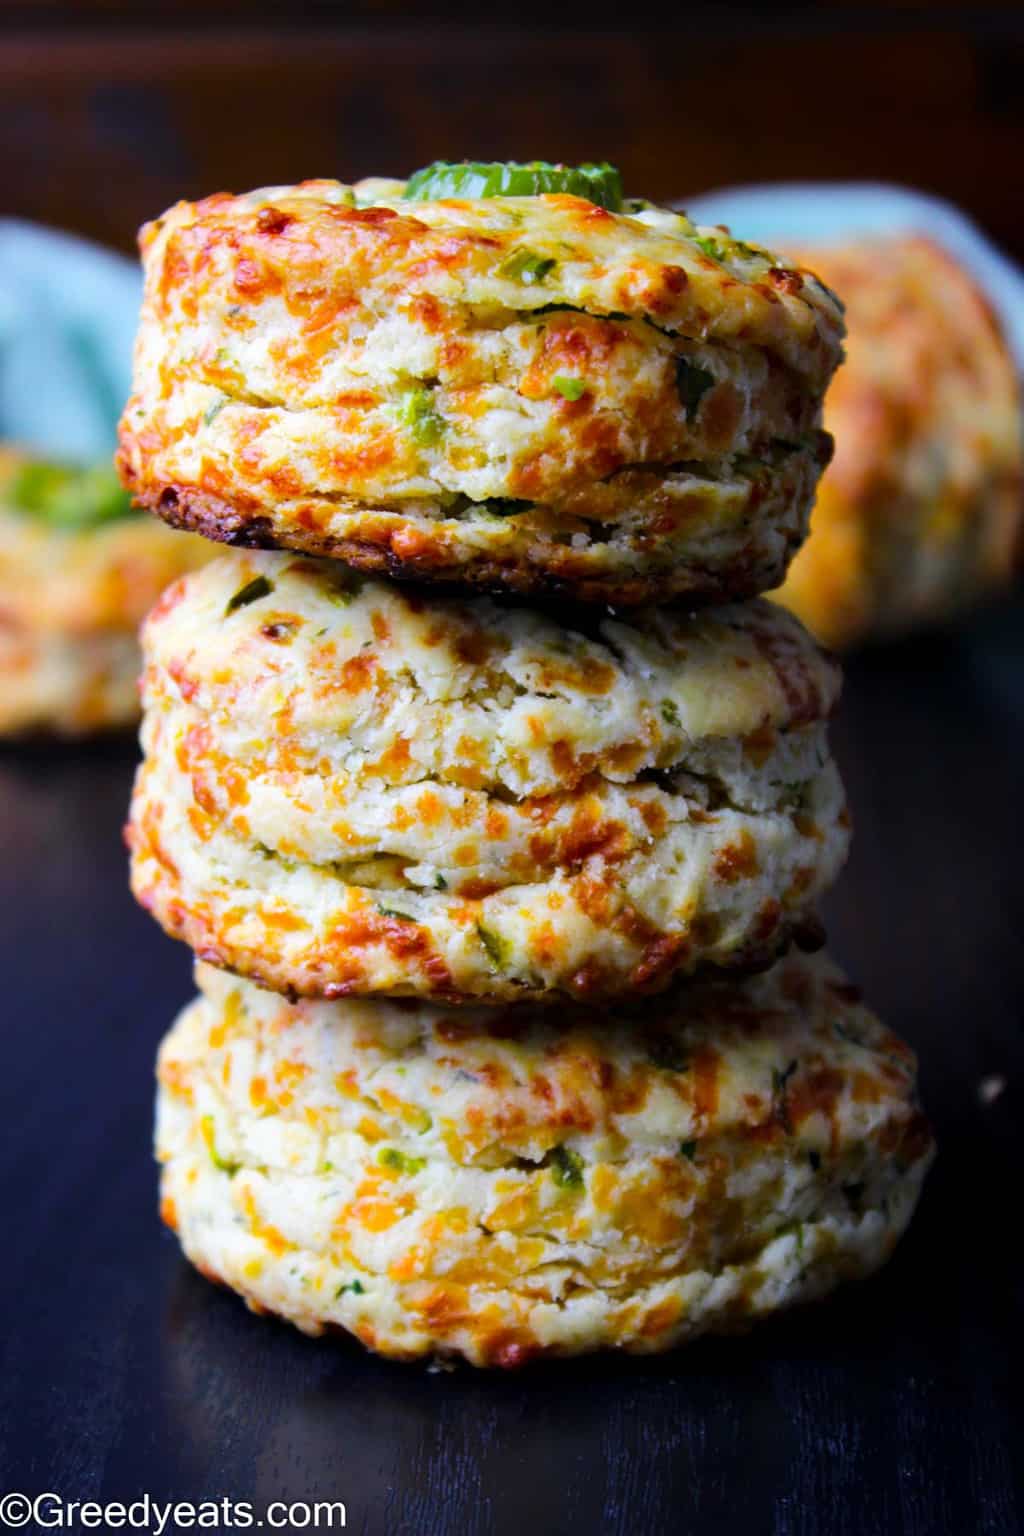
(198, 511)
(805, 930)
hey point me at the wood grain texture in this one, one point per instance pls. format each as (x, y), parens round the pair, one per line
(893, 1409)
(105, 120)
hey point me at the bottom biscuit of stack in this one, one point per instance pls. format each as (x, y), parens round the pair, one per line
(498, 1183)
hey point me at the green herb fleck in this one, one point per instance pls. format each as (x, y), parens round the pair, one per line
(747, 252)
(497, 948)
(711, 247)
(207, 1128)
(669, 712)
(403, 917)
(566, 1168)
(417, 412)
(440, 883)
(570, 389)
(355, 1286)
(400, 1162)
(688, 1149)
(723, 250)
(693, 383)
(527, 267)
(250, 593)
(214, 409)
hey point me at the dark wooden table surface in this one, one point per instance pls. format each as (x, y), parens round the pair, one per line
(892, 1409)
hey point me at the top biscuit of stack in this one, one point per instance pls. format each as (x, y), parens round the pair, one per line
(533, 394)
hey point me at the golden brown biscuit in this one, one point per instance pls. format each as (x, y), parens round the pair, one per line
(349, 790)
(503, 1183)
(515, 393)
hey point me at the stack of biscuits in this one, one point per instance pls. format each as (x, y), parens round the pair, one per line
(493, 801)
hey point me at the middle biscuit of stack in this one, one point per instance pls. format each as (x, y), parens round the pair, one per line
(388, 802)
(348, 790)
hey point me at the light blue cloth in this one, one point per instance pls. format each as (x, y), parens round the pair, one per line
(834, 210)
(68, 313)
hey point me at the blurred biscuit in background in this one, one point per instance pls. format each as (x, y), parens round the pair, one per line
(78, 571)
(919, 514)
(79, 568)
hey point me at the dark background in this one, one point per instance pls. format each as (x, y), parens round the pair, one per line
(894, 1408)
(112, 109)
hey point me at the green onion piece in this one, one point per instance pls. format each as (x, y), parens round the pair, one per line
(497, 948)
(527, 267)
(566, 1168)
(403, 917)
(355, 1286)
(669, 712)
(250, 593)
(570, 389)
(417, 412)
(710, 246)
(600, 184)
(727, 247)
(207, 1129)
(401, 1162)
(688, 1149)
(68, 497)
(693, 383)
